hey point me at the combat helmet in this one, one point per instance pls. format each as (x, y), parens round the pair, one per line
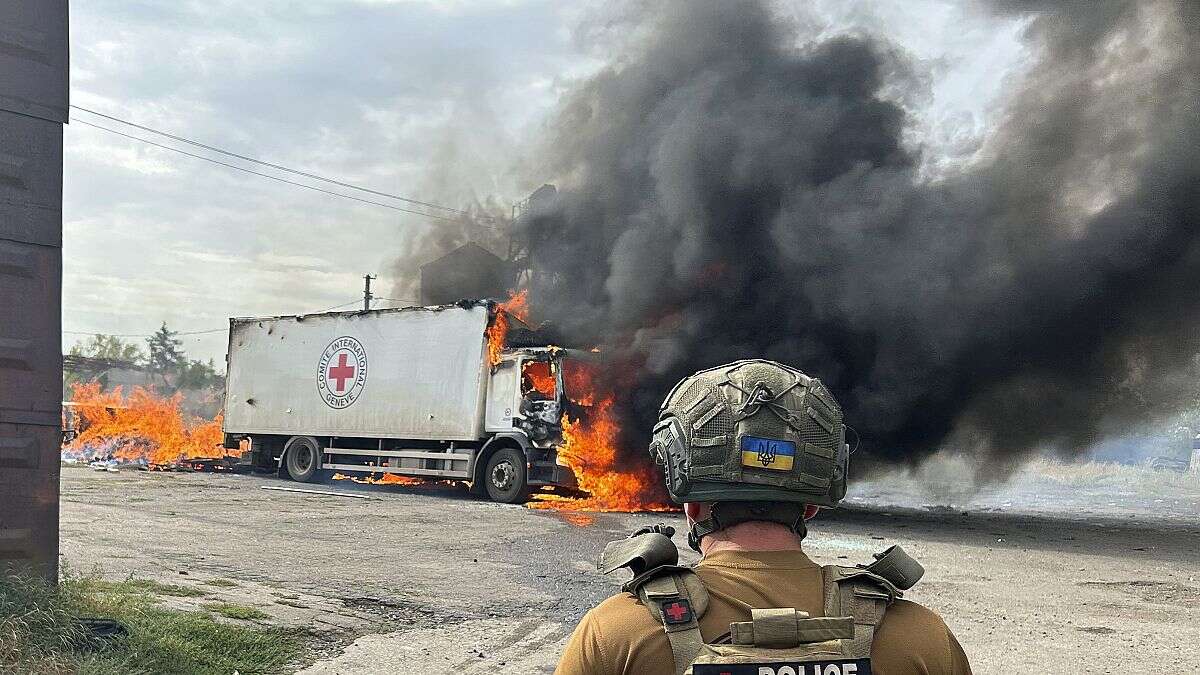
(756, 437)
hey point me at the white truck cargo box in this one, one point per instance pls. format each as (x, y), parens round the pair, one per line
(416, 373)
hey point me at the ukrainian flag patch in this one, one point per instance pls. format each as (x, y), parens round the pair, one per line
(768, 453)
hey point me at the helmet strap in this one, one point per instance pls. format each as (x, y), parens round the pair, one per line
(728, 514)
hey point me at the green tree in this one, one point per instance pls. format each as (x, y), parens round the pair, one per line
(166, 352)
(199, 375)
(101, 346)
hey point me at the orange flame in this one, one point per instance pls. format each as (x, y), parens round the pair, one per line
(517, 305)
(590, 443)
(145, 428)
(536, 376)
(577, 383)
(591, 450)
(496, 336)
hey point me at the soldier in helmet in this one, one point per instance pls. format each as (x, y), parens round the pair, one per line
(752, 449)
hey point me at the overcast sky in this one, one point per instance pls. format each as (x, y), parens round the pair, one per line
(435, 100)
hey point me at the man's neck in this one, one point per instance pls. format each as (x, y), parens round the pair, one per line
(751, 537)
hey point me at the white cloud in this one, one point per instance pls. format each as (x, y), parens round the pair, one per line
(369, 92)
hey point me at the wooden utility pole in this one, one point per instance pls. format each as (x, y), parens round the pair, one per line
(367, 291)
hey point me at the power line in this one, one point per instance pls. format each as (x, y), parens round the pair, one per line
(344, 304)
(192, 332)
(259, 173)
(134, 335)
(265, 163)
(80, 332)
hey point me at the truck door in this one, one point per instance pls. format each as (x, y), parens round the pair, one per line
(503, 396)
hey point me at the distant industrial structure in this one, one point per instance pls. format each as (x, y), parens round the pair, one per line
(110, 373)
(473, 272)
(469, 271)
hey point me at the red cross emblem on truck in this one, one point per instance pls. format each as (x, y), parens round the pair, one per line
(341, 372)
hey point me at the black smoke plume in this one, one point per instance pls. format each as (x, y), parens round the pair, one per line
(731, 189)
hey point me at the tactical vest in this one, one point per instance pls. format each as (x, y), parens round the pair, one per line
(780, 641)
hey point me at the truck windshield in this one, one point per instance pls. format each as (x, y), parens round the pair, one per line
(537, 381)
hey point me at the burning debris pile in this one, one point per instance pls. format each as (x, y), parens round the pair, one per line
(142, 429)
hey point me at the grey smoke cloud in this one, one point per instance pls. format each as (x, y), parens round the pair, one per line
(731, 188)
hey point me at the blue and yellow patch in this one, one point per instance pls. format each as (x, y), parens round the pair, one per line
(768, 453)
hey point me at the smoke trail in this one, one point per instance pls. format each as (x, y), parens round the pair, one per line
(729, 190)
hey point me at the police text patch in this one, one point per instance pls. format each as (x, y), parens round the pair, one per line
(839, 667)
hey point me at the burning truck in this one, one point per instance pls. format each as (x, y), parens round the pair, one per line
(423, 392)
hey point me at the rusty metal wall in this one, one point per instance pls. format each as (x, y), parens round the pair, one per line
(33, 108)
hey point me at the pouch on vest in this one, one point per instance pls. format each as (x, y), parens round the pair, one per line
(784, 641)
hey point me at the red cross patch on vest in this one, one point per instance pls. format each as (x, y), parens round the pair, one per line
(677, 611)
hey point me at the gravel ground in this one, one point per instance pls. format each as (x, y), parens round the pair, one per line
(1046, 575)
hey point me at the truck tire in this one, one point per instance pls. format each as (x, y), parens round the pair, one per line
(506, 477)
(302, 459)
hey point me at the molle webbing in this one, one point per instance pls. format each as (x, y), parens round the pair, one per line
(861, 595)
(678, 600)
(728, 514)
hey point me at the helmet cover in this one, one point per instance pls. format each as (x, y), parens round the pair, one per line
(752, 430)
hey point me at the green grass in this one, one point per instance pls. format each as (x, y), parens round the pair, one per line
(132, 585)
(37, 635)
(222, 583)
(234, 611)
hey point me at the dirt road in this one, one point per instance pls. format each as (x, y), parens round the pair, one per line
(427, 579)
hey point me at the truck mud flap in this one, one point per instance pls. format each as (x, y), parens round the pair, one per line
(549, 473)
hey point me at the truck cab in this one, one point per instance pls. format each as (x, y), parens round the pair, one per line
(525, 406)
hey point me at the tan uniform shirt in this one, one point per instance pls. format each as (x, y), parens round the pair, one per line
(620, 637)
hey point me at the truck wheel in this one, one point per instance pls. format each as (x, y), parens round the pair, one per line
(506, 476)
(302, 459)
